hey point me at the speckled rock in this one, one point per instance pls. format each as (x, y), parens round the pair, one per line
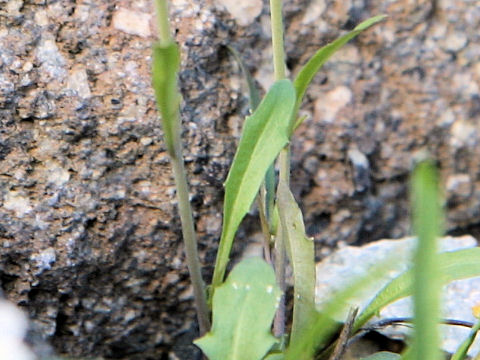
(90, 240)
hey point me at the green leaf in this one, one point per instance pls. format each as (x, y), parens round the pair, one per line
(267, 197)
(253, 94)
(462, 350)
(264, 134)
(310, 69)
(455, 265)
(275, 356)
(165, 66)
(317, 335)
(300, 250)
(427, 220)
(383, 355)
(243, 310)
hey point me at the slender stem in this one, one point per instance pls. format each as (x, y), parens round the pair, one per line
(277, 39)
(184, 208)
(284, 160)
(264, 224)
(191, 252)
(280, 255)
(163, 24)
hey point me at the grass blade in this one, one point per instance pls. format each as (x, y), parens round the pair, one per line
(427, 222)
(265, 133)
(243, 310)
(300, 250)
(253, 93)
(455, 265)
(462, 350)
(317, 335)
(310, 69)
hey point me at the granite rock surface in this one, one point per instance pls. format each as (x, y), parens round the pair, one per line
(90, 242)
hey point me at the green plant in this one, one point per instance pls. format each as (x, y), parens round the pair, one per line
(244, 305)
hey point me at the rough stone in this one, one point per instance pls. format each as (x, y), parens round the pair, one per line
(243, 12)
(132, 22)
(85, 171)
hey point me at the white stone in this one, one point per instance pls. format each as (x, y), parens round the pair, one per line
(17, 202)
(463, 83)
(13, 6)
(41, 17)
(78, 81)
(339, 269)
(51, 59)
(44, 259)
(314, 11)
(446, 118)
(132, 22)
(244, 12)
(455, 41)
(328, 105)
(463, 134)
(460, 185)
(13, 326)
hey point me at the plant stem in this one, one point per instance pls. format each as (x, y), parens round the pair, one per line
(184, 208)
(163, 24)
(284, 160)
(189, 237)
(280, 257)
(277, 39)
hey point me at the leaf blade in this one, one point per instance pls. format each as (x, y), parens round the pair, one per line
(253, 93)
(300, 250)
(310, 69)
(463, 348)
(243, 310)
(455, 265)
(265, 133)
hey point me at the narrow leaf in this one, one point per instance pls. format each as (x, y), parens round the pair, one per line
(462, 350)
(165, 65)
(275, 356)
(455, 265)
(427, 219)
(267, 196)
(253, 93)
(310, 69)
(264, 134)
(243, 310)
(317, 335)
(300, 250)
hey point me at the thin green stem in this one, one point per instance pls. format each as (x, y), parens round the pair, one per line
(280, 262)
(277, 39)
(184, 208)
(163, 23)
(189, 237)
(284, 160)
(264, 225)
